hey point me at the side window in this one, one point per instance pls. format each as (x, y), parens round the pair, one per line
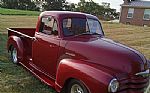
(49, 26)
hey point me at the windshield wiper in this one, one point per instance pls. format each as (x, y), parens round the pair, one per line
(88, 34)
(96, 34)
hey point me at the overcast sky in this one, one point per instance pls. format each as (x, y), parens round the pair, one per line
(113, 3)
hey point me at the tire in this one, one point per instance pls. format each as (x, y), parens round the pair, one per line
(76, 86)
(13, 55)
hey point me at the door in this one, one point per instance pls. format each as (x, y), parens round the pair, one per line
(46, 47)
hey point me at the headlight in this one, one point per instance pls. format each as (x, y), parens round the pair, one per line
(113, 85)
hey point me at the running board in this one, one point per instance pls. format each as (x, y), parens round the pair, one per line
(47, 80)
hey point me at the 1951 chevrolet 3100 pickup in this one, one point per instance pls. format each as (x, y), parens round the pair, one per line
(68, 51)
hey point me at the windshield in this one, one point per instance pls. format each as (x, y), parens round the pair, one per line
(81, 26)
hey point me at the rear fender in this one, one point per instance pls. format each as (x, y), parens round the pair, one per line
(17, 43)
(91, 77)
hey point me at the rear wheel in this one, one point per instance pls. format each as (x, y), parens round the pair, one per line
(13, 55)
(76, 86)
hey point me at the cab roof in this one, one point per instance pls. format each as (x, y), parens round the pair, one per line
(64, 14)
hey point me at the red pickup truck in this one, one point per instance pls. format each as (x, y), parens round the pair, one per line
(68, 51)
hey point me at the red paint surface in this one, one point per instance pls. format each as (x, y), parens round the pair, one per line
(92, 60)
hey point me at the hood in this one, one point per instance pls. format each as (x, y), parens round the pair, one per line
(107, 53)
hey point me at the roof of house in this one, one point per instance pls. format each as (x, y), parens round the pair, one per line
(138, 4)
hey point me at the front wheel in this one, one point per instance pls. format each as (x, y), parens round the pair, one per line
(76, 86)
(13, 55)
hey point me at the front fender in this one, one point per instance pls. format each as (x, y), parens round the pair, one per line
(93, 78)
(17, 43)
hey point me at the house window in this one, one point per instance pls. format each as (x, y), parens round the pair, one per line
(130, 13)
(146, 14)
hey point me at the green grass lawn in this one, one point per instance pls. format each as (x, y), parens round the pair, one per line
(4, 11)
(15, 79)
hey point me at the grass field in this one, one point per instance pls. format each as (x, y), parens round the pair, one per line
(15, 79)
(18, 12)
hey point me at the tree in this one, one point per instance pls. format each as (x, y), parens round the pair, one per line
(19, 4)
(102, 11)
(109, 14)
(90, 7)
(55, 5)
(70, 7)
(12, 4)
(73, 7)
(26, 5)
(106, 5)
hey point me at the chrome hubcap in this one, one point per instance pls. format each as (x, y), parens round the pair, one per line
(76, 89)
(14, 55)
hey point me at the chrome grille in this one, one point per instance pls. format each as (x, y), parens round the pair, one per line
(135, 84)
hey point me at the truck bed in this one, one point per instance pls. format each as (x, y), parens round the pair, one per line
(26, 31)
(26, 35)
